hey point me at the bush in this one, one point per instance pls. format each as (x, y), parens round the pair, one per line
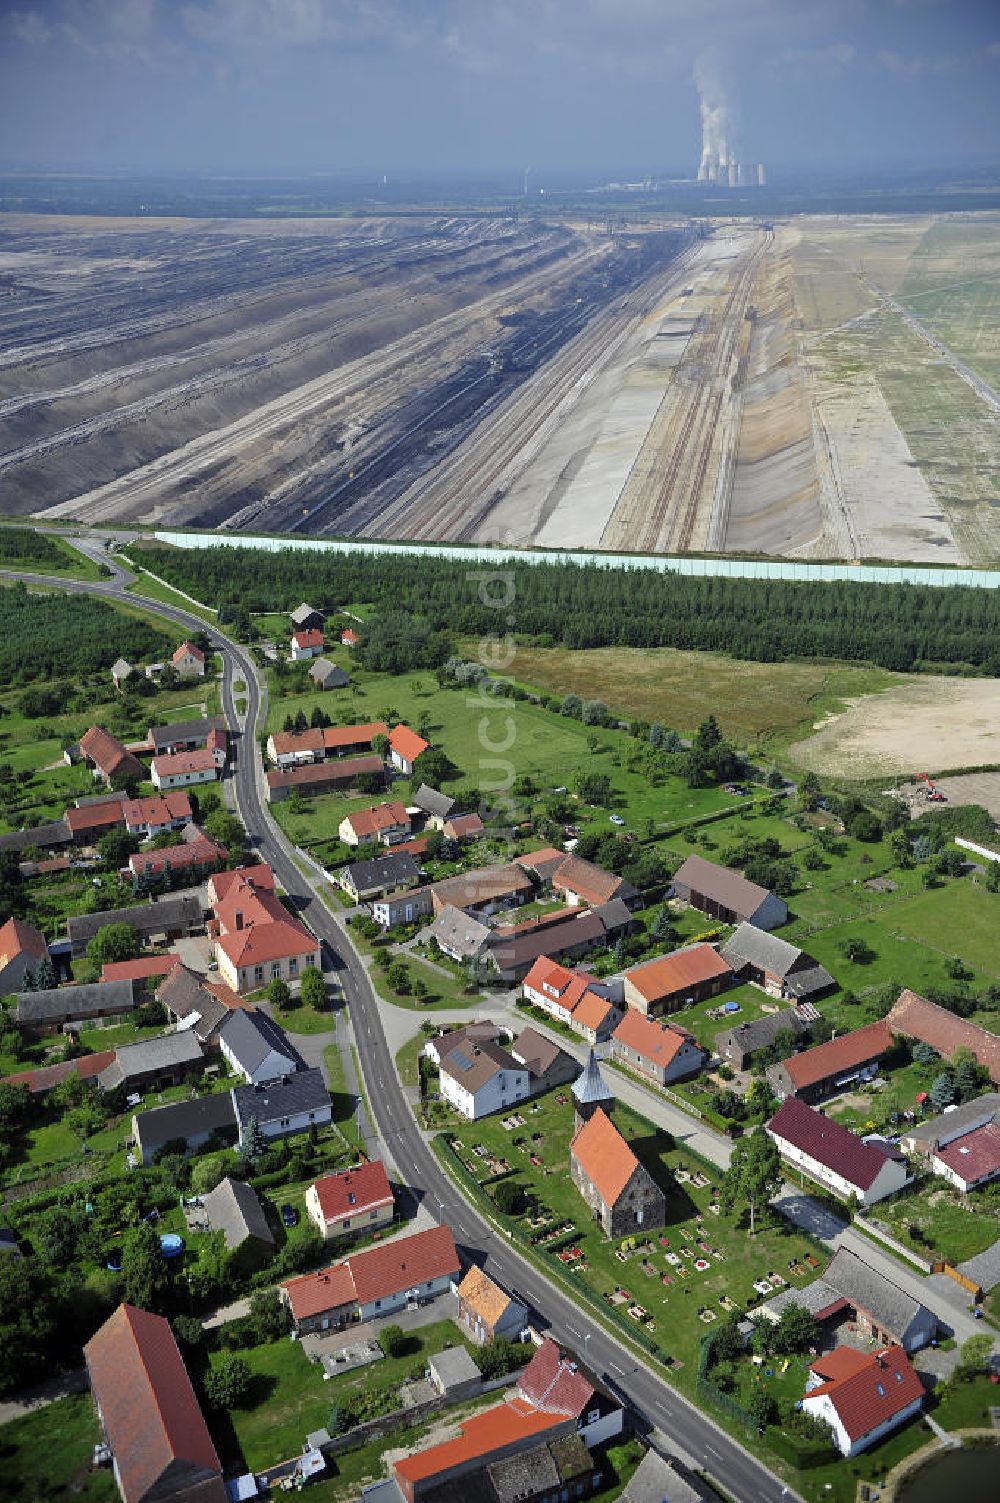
(498, 1357)
(508, 1196)
(393, 1341)
(228, 1385)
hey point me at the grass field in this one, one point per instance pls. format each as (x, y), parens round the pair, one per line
(290, 1396)
(27, 551)
(752, 701)
(46, 1454)
(953, 1227)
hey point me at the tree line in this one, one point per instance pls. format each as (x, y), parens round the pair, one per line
(901, 627)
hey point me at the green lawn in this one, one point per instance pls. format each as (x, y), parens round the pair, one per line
(952, 1226)
(145, 584)
(292, 1397)
(407, 1058)
(343, 1101)
(45, 1455)
(675, 1307)
(43, 553)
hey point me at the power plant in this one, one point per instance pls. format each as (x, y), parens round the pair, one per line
(719, 162)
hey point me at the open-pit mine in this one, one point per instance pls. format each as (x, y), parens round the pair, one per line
(814, 387)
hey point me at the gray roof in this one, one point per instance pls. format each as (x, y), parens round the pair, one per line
(893, 1309)
(166, 1052)
(86, 1001)
(180, 990)
(383, 871)
(56, 833)
(174, 912)
(459, 931)
(433, 801)
(659, 1479)
(957, 1121)
(474, 1063)
(303, 613)
(728, 888)
(328, 674)
(251, 1036)
(305, 1091)
(185, 1119)
(590, 1087)
(752, 946)
(453, 1367)
(234, 1209)
(480, 1031)
(185, 730)
(814, 1297)
(762, 1032)
(615, 913)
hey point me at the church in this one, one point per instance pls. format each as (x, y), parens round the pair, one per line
(622, 1195)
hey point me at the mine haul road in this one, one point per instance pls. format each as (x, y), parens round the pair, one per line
(655, 1403)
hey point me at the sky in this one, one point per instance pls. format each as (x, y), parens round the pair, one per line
(465, 86)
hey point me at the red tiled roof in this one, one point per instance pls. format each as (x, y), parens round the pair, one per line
(158, 808)
(341, 770)
(604, 1156)
(591, 883)
(95, 816)
(349, 637)
(151, 1416)
(261, 943)
(200, 852)
(383, 816)
(842, 1362)
(975, 1155)
(652, 1040)
(353, 1191)
(312, 637)
(492, 1431)
(314, 1293)
(374, 1274)
(313, 739)
(847, 1052)
(19, 938)
(670, 974)
(551, 1381)
(403, 1263)
(591, 1010)
(138, 970)
(187, 647)
(415, 847)
(220, 884)
(917, 1018)
(857, 1399)
(557, 982)
(827, 1142)
(173, 764)
(407, 743)
(336, 736)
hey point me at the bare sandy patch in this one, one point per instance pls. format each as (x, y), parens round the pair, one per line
(924, 724)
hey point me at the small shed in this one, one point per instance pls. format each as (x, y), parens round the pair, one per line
(453, 1372)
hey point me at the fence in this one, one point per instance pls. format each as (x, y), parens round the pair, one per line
(878, 1233)
(969, 1285)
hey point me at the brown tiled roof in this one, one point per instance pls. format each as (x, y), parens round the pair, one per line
(323, 773)
(917, 1018)
(384, 816)
(495, 1430)
(592, 883)
(106, 752)
(728, 888)
(47, 1076)
(604, 1156)
(336, 736)
(844, 1053)
(674, 973)
(484, 884)
(95, 816)
(974, 1155)
(151, 1416)
(19, 938)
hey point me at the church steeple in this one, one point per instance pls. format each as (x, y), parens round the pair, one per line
(590, 1091)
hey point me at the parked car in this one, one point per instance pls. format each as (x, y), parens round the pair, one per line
(289, 1215)
(616, 819)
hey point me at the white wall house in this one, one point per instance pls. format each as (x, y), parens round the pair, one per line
(184, 768)
(477, 1080)
(834, 1156)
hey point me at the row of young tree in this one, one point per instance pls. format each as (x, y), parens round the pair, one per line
(419, 600)
(54, 636)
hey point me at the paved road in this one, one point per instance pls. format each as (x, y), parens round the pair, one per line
(694, 1433)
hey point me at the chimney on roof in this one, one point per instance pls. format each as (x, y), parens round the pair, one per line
(239, 918)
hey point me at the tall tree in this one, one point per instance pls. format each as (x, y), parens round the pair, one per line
(753, 1176)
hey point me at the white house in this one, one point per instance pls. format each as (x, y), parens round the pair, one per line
(307, 644)
(829, 1153)
(352, 1202)
(181, 769)
(862, 1396)
(971, 1160)
(405, 746)
(154, 815)
(255, 1047)
(480, 1078)
(283, 1107)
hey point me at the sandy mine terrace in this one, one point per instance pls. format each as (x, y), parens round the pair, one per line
(923, 725)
